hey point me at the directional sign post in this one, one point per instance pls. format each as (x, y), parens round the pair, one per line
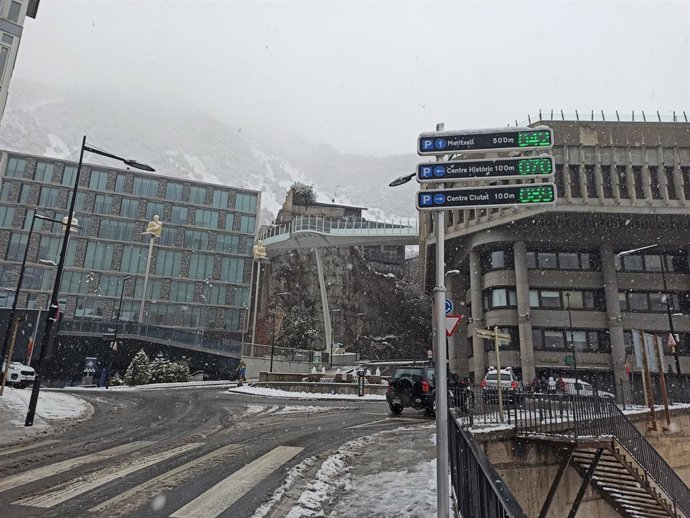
(486, 169)
(480, 197)
(478, 141)
(449, 306)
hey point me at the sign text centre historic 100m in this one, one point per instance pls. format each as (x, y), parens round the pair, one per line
(494, 196)
(489, 169)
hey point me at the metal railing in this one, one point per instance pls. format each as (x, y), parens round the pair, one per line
(478, 489)
(284, 353)
(191, 339)
(341, 226)
(570, 416)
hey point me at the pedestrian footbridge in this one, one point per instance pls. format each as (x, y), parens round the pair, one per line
(317, 232)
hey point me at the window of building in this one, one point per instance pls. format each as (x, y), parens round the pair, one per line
(13, 11)
(245, 202)
(568, 261)
(247, 224)
(145, 187)
(220, 199)
(120, 181)
(575, 298)
(110, 285)
(129, 208)
(133, 259)
(25, 194)
(550, 299)
(638, 302)
(103, 204)
(240, 297)
(98, 180)
(116, 230)
(228, 243)
(49, 248)
(48, 197)
(168, 236)
(178, 215)
(153, 209)
(15, 167)
(16, 247)
(575, 191)
(547, 260)
(44, 172)
(173, 191)
(4, 54)
(216, 295)
(6, 217)
(639, 189)
(99, 256)
(181, 291)
(80, 203)
(73, 282)
(206, 218)
(197, 195)
(229, 221)
(196, 239)
(168, 263)
(607, 181)
(69, 175)
(500, 298)
(553, 339)
(200, 266)
(6, 192)
(232, 269)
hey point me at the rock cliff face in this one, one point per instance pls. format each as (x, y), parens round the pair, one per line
(378, 315)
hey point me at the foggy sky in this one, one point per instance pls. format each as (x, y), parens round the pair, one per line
(368, 76)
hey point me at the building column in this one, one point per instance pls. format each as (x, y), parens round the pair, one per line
(613, 313)
(523, 309)
(477, 314)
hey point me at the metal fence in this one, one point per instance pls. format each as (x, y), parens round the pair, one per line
(570, 416)
(478, 489)
(284, 353)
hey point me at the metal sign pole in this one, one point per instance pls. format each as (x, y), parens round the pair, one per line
(499, 384)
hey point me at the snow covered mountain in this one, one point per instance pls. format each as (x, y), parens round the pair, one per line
(185, 142)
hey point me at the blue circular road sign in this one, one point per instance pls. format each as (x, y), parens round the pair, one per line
(449, 307)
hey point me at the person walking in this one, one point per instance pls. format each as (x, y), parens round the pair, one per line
(551, 385)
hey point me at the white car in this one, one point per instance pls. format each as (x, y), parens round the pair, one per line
(20, 375)
(567, 385)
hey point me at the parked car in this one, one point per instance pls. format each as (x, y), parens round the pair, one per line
(19, 375)
(511, 387)
(567, 385)
(414, 386)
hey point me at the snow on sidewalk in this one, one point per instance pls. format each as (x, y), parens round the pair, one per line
(370, 476)
(52, 408)
(271, 392)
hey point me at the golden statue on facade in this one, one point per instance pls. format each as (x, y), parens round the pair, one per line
(259, 250)
(155, 227)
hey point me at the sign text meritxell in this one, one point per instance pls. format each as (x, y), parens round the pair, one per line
(477, 141)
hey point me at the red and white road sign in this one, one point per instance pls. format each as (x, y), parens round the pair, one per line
(671, 341)
(452, 324)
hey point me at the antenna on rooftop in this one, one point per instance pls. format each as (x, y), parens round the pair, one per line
(602, 116)
(562, 116)
(644, 117)
(618, 118)
(335, 193)
(658, 116)
(577, 115)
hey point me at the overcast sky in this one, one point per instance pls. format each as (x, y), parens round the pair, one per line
(368, 76)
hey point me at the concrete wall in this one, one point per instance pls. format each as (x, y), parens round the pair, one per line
(529, 469)
(256, 365)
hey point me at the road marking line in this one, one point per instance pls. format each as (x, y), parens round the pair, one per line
(387, 420)
(60, 467)
(226, 492)
(131, 494)
(15, 449)
(81, 485)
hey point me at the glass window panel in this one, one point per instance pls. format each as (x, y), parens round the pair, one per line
(632, 263)
(98, 180)
(590, 300)
(49, 248)
(217, 295)
(652, 263)
(232, 269)
(197, 195)
(25, 194)
(133, 259)
(220, 199)
(69, 175)
(145, 187)
(498, 259)
(168, 263)
(168, 236)
(178, 215)
(129, 208)
(553, 339)
(576, 299)
(547, 260)
(638, 301)
(247, 224)
(512, 298)
(586, 261)
(206, 218)
(200, 266)
(578, 339)
(623, 301)
(4, 54)
(6, 192)
(49, 197)
(228, 243)
(499, 298)
(196, 239)
(103, 204)
(16, 247)
(117, 230)
(657, 302)
(533, 298)
(98, 256)
(120, 181)
(6, 217)
(181, 291)
(15, 167)
(550, 299)
(240, 297)
(173, 191)
(229, 221)
(568, 261)
(245, 202)
(13, 11)
(44, 172)
(153, 209)
(531, 260)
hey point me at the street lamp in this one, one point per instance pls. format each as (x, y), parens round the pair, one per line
(667, 297)
(273, 331)
(204, 309)
(21, 278)
(442, 471)
(154, 229)
(54, 309)
(330, 358)
(105, 379)
(572, 344)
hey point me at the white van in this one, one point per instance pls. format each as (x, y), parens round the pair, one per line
(568, 386)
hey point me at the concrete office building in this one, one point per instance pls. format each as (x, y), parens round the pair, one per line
(621, 185)
(200, 273)
(12, 16)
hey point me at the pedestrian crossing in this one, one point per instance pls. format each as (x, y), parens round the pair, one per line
(154, 470)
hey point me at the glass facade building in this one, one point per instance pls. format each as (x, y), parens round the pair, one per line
(200, 266)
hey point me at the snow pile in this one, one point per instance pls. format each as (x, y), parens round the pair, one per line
(295, 473)
(331, 477)
(51, 405)
(271, 392)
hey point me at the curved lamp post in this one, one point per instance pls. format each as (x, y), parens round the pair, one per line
(54, 310)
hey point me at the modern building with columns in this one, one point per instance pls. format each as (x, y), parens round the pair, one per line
(621, 186)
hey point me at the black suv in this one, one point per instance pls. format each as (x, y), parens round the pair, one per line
(415, 386)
